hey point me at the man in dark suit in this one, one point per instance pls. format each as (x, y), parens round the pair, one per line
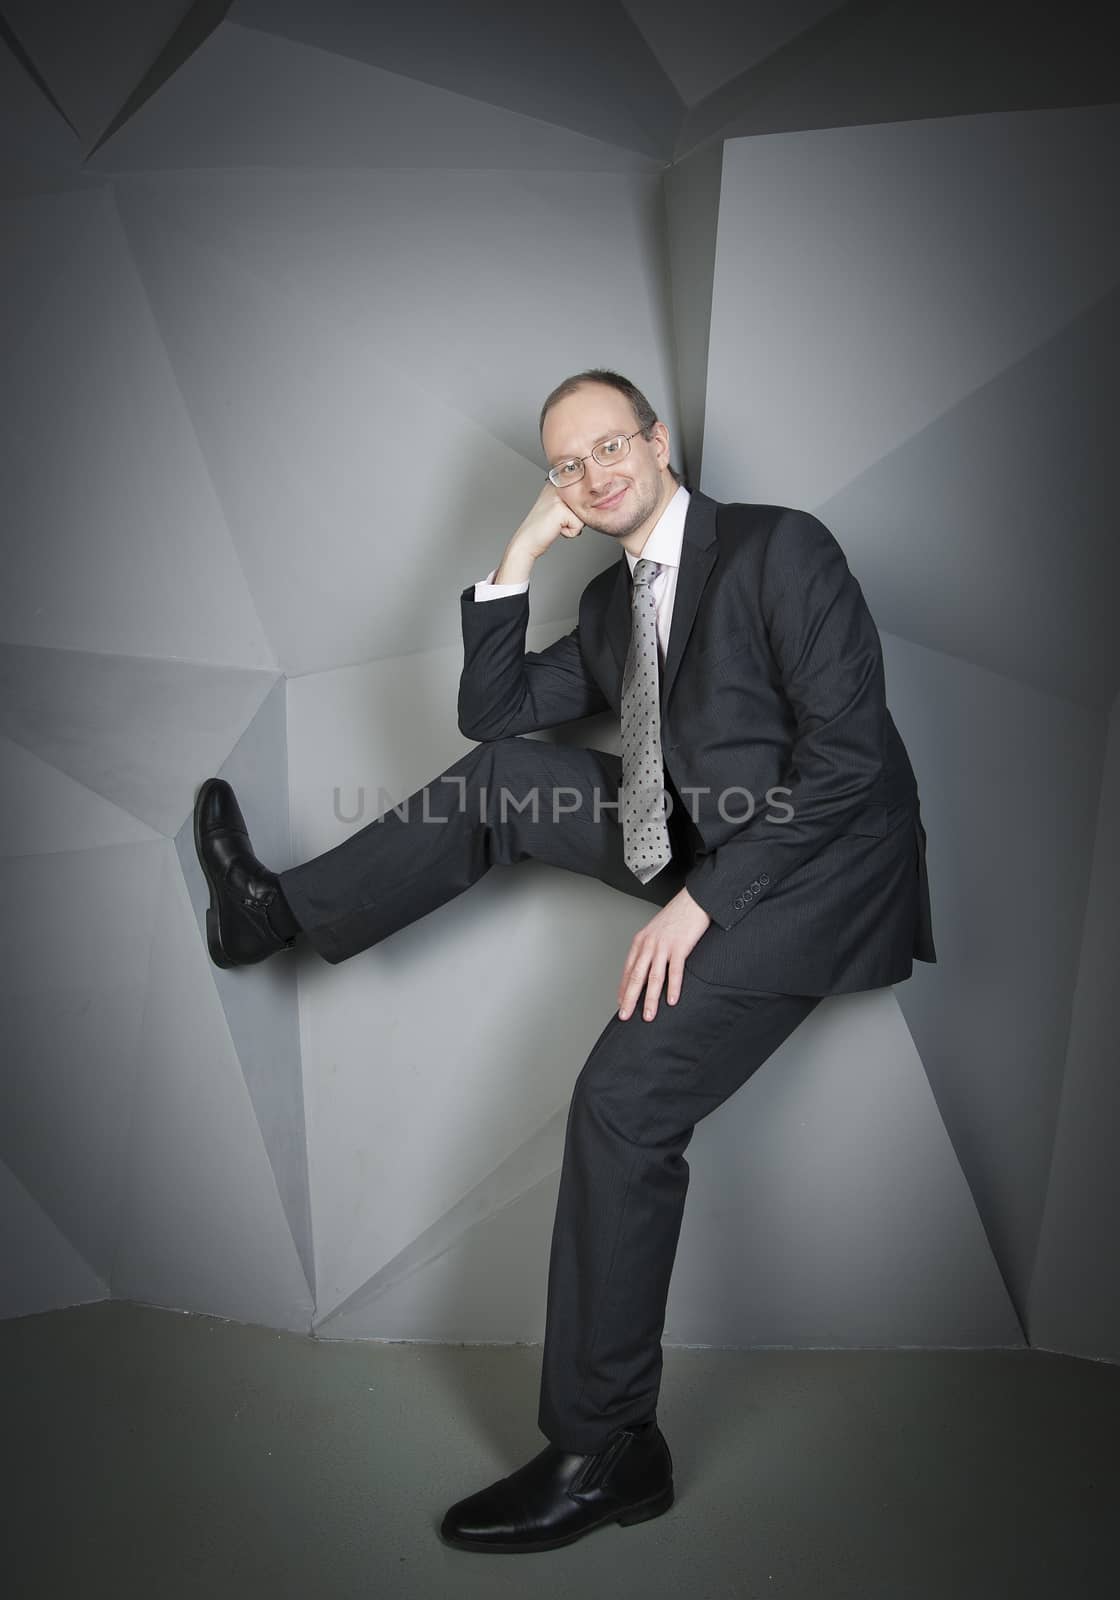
(787, 861)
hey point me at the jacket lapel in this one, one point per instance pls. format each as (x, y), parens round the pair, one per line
(698, 554)
(617, 620)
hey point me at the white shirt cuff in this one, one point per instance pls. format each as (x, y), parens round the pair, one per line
(486, 589)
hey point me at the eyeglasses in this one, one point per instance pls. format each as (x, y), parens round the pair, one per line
(606, 454)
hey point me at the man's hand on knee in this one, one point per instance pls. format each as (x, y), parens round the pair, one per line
(658, 950)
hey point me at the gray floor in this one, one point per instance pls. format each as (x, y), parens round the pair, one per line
(158, 1454)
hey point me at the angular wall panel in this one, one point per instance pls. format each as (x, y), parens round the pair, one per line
(457, 1296)
(487, 329)
(442, 1281)
(692, 190)
(125, 550)
(338, 475)
(42, 810)
(992, 533)
(1008, 780)
(867, 279)
(92, 57)
(248, 100)
(1075, 1292)
(202, 1226)
(262, 1005)
(38, 239)
(827, 1206)
(39, 1268)
(73, 974)
(139, 732)
(588, 69)
(888, 60)
(38, 151)
(708, 42)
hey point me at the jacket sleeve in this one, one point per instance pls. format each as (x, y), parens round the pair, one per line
(827, 650)
(505, 689)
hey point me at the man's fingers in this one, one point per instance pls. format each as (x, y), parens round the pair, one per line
(627, 967)
(632, 984)
(635, 954)
(653, 988)
(676, 978)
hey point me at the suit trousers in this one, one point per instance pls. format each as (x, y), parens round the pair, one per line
(642, 1089)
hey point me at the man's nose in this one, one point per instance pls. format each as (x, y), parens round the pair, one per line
(597, 477)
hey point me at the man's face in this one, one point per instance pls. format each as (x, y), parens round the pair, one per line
(617, 499)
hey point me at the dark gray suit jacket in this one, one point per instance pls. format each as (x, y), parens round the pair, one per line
(773, 688)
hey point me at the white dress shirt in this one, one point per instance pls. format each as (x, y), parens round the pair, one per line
(663, 545)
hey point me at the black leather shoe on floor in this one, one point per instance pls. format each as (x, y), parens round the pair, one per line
(242, 890)
(558, 1497)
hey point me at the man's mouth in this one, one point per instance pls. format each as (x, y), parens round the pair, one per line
(609, 504)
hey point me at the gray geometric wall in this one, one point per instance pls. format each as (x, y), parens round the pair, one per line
(282, 288)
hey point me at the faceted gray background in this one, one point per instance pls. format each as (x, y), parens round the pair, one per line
(281, 290)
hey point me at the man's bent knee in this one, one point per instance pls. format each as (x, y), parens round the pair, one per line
(511, 775)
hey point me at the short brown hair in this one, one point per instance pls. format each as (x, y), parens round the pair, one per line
(644, 414)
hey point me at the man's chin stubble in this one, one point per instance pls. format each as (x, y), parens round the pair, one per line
(618, 533)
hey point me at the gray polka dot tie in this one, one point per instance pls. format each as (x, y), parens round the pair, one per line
(645, 837)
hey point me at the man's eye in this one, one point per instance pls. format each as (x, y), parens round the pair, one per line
(611, 448)
(567, 468)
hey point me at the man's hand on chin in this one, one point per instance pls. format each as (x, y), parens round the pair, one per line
(661, 948)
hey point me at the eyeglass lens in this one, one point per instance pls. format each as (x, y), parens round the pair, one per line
(610, 450)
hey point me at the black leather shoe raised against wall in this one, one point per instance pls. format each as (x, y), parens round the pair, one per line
(242, 890)
(558, 1497)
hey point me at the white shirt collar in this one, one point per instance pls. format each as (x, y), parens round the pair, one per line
(663, 544)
